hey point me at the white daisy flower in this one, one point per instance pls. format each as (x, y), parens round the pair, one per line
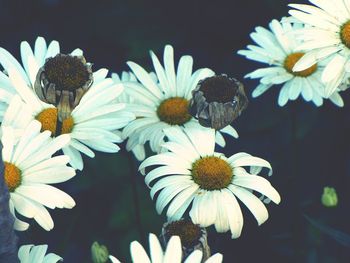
(173, 253)
(328, 36)
(94, 114)
(37, 254)
(281, 51)
(193, 175)
(29, 169)
(163, 103)
(139, 149)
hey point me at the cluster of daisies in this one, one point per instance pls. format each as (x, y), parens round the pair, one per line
(54, 108)
(307, 53)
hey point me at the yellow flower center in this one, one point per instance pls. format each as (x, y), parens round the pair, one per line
(188, 232)
(292, 59)
(212, 173)
(67, 125)
(174, 111)
(49, 122)
(345, 34)
(12, 176)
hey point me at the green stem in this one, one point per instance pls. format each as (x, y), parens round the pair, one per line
(295, 173)
(133, 182)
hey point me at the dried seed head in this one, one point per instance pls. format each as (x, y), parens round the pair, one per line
(193, 237)
(62, 81)
(217, 101)
(188, 232)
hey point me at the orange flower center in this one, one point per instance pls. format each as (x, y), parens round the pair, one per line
(212, 173)
(12, 176)
(292, 59)
(49, 122)
(174, 111)
(67, 125)
(345, 34)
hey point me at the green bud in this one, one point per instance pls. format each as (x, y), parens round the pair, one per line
(99, 253)
(329, 197)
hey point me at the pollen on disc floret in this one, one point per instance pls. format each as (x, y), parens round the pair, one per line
(174, 111)
(212, 173)
(292, 59)
(12, 175)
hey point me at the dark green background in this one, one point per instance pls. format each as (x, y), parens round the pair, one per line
(307, 147)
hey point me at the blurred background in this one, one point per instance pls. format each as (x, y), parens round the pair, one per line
(308, 147)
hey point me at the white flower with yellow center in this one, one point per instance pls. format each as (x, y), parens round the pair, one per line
(172, 253)
(88, 113)
(193, 173)
(36, 254)
(29, 169)
(326, 37)
(162, 103)
(282, 51)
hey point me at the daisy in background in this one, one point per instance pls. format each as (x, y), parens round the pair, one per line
(29, 169)
(192, 175)
(139, 149)
(326, 37)
(163, 102)
(64, 95)
(36, 254)
(173, 253)
(279, 48)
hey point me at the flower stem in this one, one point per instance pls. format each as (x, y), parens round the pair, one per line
(8, 239)
(133, 181)
(295, 172)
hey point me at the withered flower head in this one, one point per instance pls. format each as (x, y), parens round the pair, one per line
(217, 101)
(193, 237)
(62, 81)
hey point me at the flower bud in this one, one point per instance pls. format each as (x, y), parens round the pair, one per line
(329, 197)
(99, 253)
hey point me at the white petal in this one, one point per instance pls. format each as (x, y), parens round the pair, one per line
(260, 89)
(145, 79)
(138, 253)
(194, 257)
(173, 252)
(284, 94)
(252, 202)
(181, 202)
(170, 68)
(155, 249)
(259, 184)
(204, 207)
(337, 99)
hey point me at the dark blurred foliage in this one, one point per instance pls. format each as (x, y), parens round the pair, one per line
(307, 146)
